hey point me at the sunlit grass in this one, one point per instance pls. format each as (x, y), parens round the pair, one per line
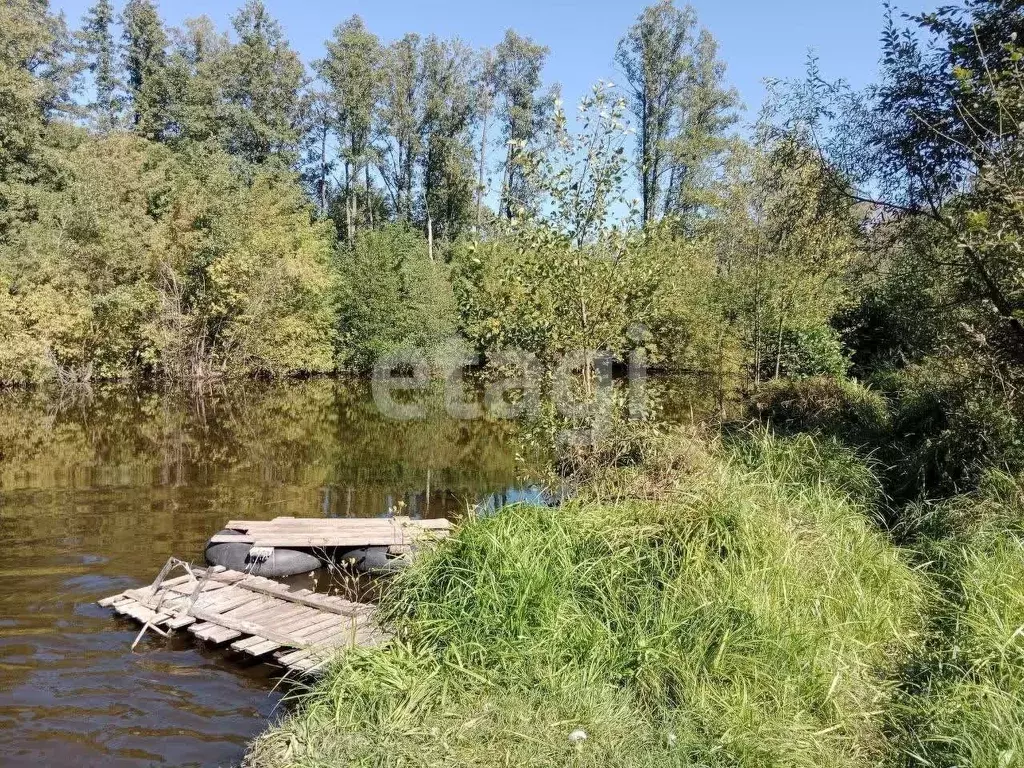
(737, 617)
(967, 708)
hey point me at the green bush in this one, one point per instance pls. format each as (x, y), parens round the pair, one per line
(832, 406)
(808, 352)
(947, 429)
(146, 261)
(393, 297)
(729, 621)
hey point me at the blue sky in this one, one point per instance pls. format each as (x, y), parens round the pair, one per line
(758, 38)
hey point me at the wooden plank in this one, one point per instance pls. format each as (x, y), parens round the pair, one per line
(304, 618)
(217, 634)
(330, 631)
(270, 616)
(289, 625)
(390, 529)
(312, 600)
(324, 648)
(245, 627)
(237, 599)
(240, 625)
(329, 541)
(262, 614)
(342, 522)
(274, 614)
(307, 633)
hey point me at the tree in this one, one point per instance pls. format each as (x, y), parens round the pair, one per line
(446, 137)
(400, 121)
(674, 82)
(34, 84)
(263, 84)
(524, 110)
(393, 297)
(145, 62)
(486, 93)
(580, 179)
(197, 74)
(706, 110)
(351, 72)
(950, 115)
(939, 138)
(563, 278)
(97, 40)
(317, 158)
(153, 261)
(793, 239)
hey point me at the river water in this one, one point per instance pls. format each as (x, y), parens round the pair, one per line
(99, 488)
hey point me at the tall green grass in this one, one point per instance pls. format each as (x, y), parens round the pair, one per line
(967, 707)
(736, 617)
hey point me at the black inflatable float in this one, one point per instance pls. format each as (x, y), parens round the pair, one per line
(291, 562)
(373, 560)
(280, 563)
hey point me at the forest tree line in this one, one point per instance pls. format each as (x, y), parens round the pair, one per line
(193, 202)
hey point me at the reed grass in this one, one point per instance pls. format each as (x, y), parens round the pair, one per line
(742, 610)
(965, 704)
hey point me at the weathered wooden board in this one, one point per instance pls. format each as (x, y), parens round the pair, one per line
(260, 616)
(299, 533)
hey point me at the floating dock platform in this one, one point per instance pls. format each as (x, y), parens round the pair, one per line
(299, 629)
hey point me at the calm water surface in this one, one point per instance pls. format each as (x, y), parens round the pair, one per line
(99, 489)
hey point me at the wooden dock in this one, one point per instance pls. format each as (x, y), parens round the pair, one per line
(396, 533)
(258, 616)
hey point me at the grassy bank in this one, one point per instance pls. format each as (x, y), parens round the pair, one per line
(964, 701)
(711, 607)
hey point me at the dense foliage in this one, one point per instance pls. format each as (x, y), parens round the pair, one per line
(191, 203)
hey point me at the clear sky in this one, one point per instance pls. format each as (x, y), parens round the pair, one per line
(758, 38)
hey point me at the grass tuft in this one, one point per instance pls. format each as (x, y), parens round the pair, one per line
(740, 616)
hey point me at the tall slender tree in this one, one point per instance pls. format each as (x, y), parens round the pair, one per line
(197, 73)
(705, 112)
(34, 83)
(145, 61)
(674, 83)
(486, 91)
(265, 78)
(351, 71)
(318, 161)
(97, 41)
(524, 109)
(448, 114)
(400, 120)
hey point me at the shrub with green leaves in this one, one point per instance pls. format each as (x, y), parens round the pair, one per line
(831, 406)
(948, 428)
(146, 261)
(394, 297)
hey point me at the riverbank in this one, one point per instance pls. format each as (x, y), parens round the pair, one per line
(715, 604)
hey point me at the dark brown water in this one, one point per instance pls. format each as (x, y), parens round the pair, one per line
(96, 491)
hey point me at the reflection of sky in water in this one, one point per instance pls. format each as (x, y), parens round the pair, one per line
(533, 495)
(435, 503)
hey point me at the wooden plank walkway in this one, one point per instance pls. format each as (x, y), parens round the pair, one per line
(258, 616)
(397, 533)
